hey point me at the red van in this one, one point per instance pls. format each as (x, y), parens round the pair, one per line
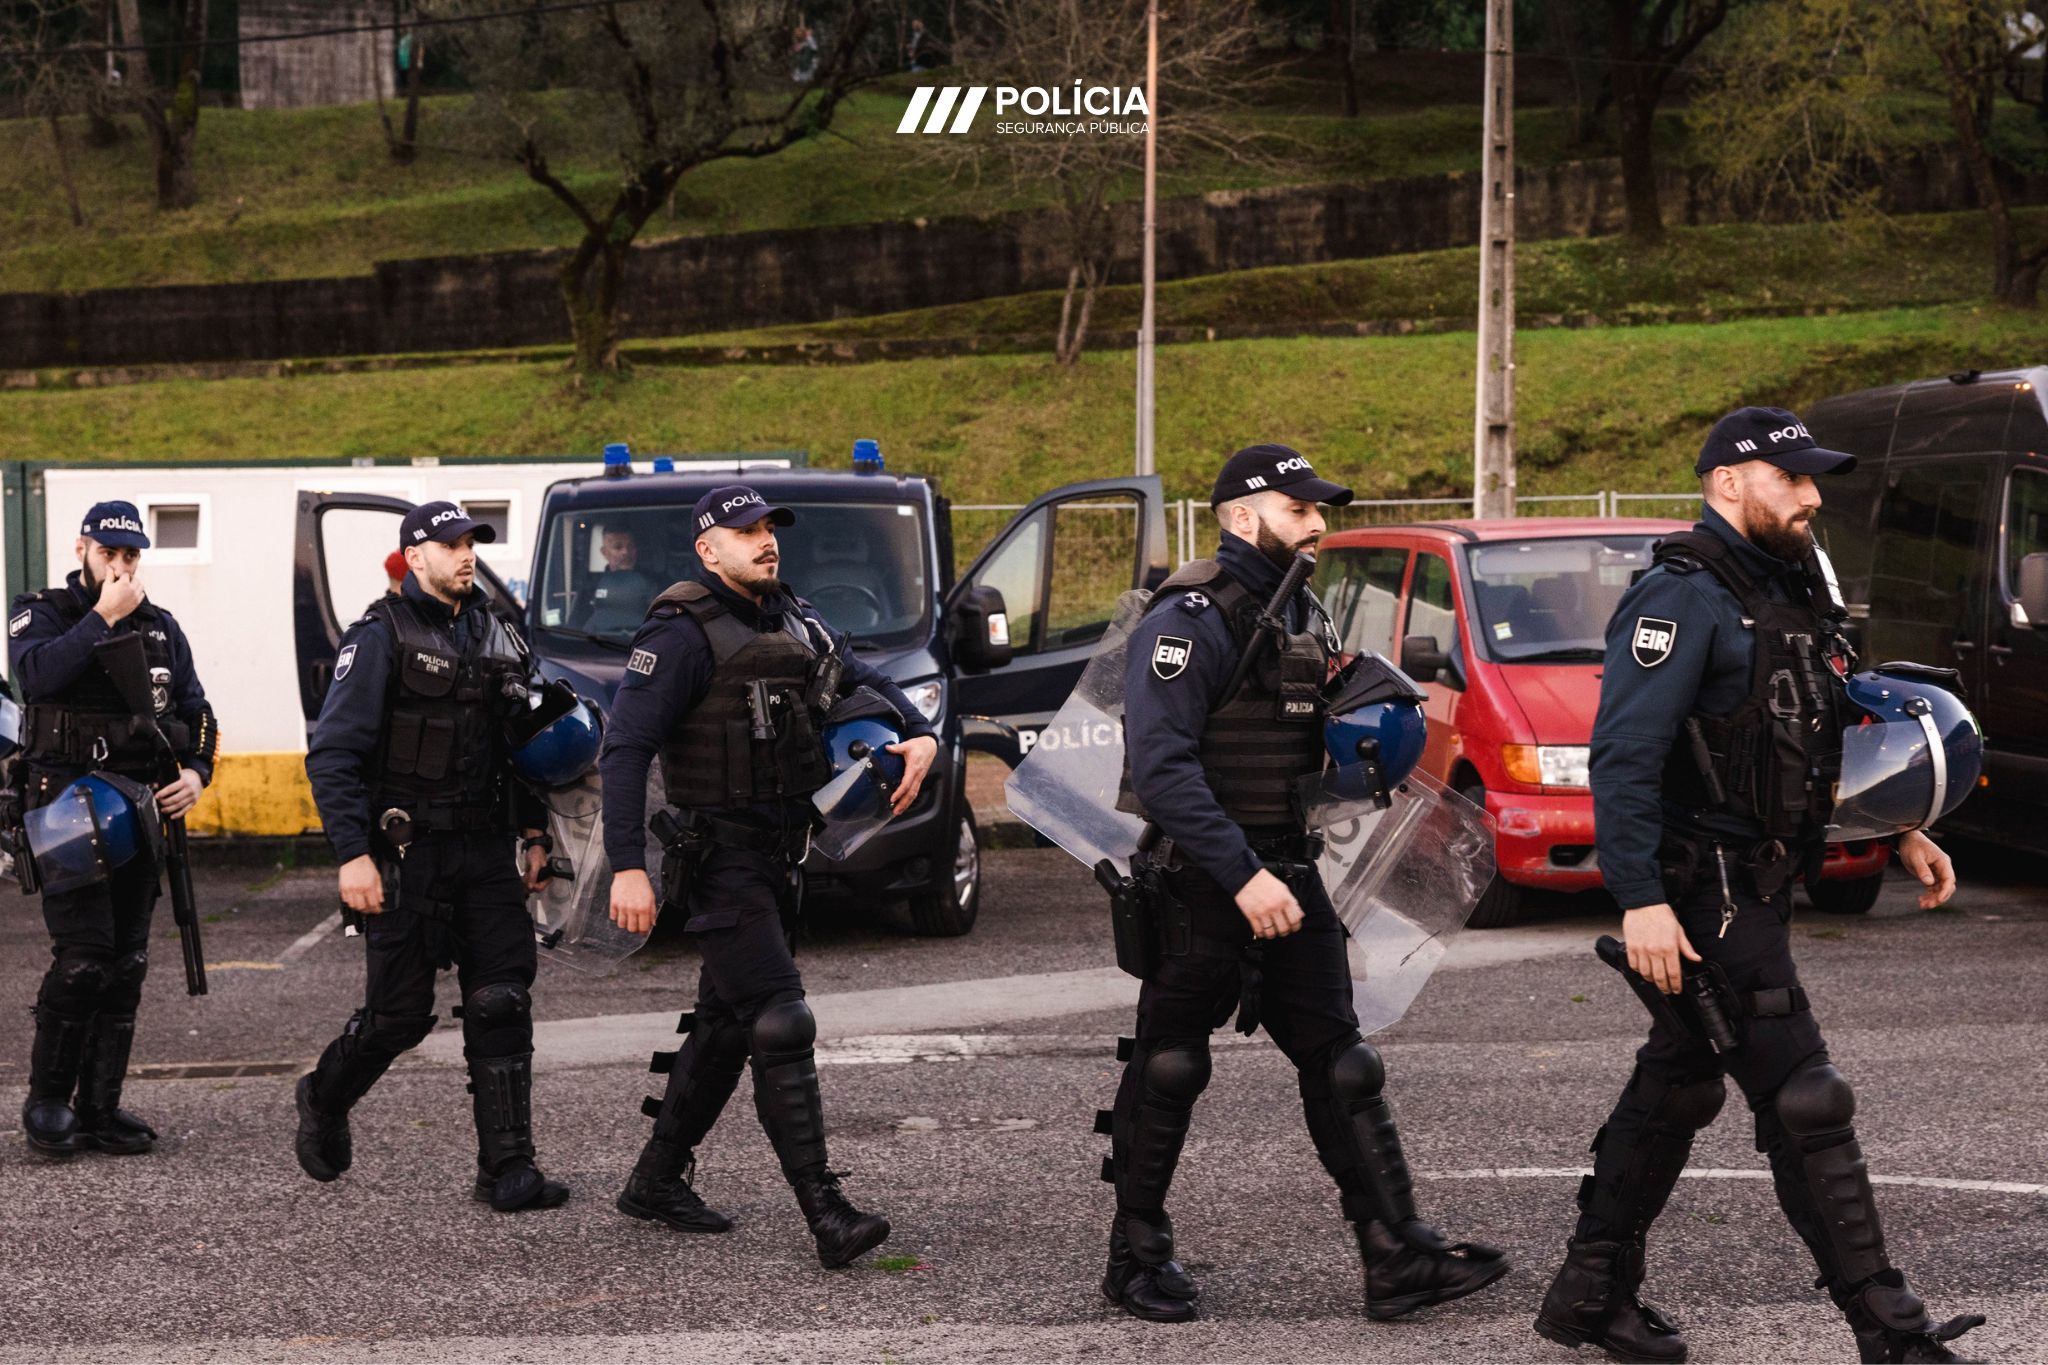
(1503, 623)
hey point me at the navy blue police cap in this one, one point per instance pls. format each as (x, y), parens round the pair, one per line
(117, 524)
(1282, 469)
(442, 521)
(736, 505)
(1774, 436)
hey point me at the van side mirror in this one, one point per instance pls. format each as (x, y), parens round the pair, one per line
(981, 630)
(2033, 588)
(1422, 658)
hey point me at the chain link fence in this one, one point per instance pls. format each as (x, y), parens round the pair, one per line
(1089, 545)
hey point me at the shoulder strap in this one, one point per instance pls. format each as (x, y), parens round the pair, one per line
(63, 599)
(409, 630)
(1228, 594)
(1692, 550)
(688, 595)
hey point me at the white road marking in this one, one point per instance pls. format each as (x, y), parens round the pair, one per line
(1930, 1182)
(303, 944)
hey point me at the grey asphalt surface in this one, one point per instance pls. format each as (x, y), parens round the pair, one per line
(217, 1248)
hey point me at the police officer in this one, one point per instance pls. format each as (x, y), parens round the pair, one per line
(1718, 721)
(75, 721)
(1215, 773)
(410, 768)
(726, 684)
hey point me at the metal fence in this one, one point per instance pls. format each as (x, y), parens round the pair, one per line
(1191, 526)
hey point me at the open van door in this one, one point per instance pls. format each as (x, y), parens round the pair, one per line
(1060, 566)
(338, 572)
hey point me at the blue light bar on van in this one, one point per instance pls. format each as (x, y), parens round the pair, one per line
(618, 460)
(867, 456)
(664, 465)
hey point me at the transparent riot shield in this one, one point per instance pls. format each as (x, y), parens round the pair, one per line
(1066, 788)
(1403, 879)
(572, 915)
(1903, 775)
(854, 807)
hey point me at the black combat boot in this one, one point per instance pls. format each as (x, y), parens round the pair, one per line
(102, 1122)
(842, 1231)
(659, 1190)
(1592, 1302)
(47, 1118)
(324, 1146)
(1892, 1324)
(506, 1177)
(1143, 1278)
(1413, 1267)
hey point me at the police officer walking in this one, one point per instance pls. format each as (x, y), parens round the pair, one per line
(410, 768)
(76, 722)
(1720, 717)
(1216, 775)
(727, 684)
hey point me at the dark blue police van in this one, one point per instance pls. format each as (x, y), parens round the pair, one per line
(989, 655)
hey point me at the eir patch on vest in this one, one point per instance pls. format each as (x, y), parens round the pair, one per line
(1170, 657)
(1653, 640)
(642, 663)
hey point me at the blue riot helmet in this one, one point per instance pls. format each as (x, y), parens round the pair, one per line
(561, 733)
(1910, 756)
(98, 823)
(855, 803)
(1374, 729)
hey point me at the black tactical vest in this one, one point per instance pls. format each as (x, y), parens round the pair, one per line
(744, 744)
(92, 727)
(444, 722)
(1777, 755)
(1259, 743)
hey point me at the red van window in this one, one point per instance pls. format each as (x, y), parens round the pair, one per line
(1360, 589)
(1430, 610)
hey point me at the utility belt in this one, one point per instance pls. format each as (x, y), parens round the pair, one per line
(64, 737)
(1765, 867)
(688, 835)
(1149, 922)
(402, 819)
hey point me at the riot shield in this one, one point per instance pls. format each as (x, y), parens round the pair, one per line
(572, 915)
(1066, 788)
(853, 807)
(1403, 879)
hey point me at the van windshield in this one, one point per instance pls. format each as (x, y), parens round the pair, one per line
(1547, 601)
(865, 567)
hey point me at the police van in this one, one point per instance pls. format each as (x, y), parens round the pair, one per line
(1939, 538)
(988, 655)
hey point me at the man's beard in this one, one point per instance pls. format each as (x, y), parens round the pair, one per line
(447, 587)
(1784, 540)
(761, 579)
(1281, 552)
(91, 584)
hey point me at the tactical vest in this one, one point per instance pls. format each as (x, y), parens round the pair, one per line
(1268, 736)
(444, 720)
(91, 727)
(1775, 757)
(745, 743)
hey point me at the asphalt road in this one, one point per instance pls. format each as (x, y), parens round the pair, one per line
(961, 1078)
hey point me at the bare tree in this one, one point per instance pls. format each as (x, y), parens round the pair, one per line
(170, 114)
(1647, 42)
(664, 86)
(1057, 46)
(41, 59)
(1797, 106)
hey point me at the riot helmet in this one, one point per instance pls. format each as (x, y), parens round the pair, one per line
(1910, 758)
(98, 823)
(854, 805)
(563, 749)
(1375, 728)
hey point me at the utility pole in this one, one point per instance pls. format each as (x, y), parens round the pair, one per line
(1145, 342)
(1493, 426)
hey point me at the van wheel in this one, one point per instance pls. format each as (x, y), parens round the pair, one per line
(947, 908)
(1500, 905)
(1845, 897)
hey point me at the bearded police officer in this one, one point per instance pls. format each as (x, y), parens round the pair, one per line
(1215, 774)
(727, 684)
(75, 722)
(410, 767)
(1720, 717)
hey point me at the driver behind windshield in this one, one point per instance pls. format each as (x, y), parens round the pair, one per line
(619, 596)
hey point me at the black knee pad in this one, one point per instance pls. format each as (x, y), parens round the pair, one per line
(75, 983)
(1816, 1099)
(124, 982)
(497, 1020)
(1691, 1105)
(786, 1028)
(1357, 1074)
(1177, 1075)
